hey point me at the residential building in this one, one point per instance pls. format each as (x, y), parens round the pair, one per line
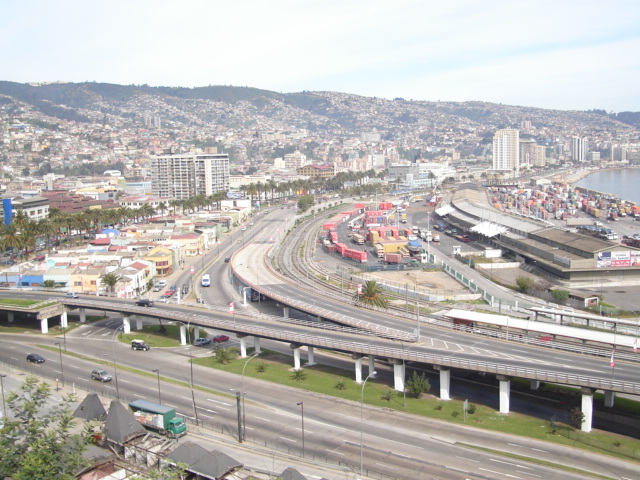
(579, 148)
(506, 150)
(317, 171)
(186, 175)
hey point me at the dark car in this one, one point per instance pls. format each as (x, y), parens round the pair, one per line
(227, 260)
(100, 374)
(201, 341)
(139, 345)
(173, 287)
(143, 302)
(35, 358)
(185, 288)
(220, 338)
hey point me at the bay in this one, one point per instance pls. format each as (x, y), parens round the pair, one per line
(620, 182)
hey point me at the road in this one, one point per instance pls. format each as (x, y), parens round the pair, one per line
(395, 444)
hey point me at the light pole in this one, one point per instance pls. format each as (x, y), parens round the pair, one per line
(157, 371)
(61, 369)
(362, 422)
(244, 418)
(115, 365)
(301, 405)
(4, 405)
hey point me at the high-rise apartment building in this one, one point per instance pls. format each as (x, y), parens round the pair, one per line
(506, 150)
(579, 149)
(187, 175)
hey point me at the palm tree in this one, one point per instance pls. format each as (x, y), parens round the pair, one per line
(111, 280)
(225, 354)
(372, 294)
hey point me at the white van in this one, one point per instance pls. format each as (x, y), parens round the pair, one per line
(205, 281)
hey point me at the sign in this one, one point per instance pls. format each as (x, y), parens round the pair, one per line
(359, 289)
(231, 307)
(193, 270)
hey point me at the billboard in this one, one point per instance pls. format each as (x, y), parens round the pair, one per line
(622, 258)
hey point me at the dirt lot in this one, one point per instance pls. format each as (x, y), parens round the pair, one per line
(427, 282)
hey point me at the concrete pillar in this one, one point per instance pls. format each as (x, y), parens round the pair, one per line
(372, 365)
(285, 312)
(126, 324)
(587, 409)
(505, 392)
(83, 315)
(10, 317)
(63, 320)
(535, 384)
(196, 332)
(398, 377)
(609, 398)
(256, 345)
(445, 383)
(183, 335)
(310, 356)
(358, 365)
(44, 325)
(243, 347)
(296, 358)
(244, 297)
(139, 324)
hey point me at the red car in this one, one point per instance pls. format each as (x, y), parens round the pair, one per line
(220, 338)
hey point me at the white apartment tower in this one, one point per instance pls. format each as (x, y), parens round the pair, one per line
(506, 150)
(579, 148)
(187, 175)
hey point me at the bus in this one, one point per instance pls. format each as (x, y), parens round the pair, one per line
(206, 280)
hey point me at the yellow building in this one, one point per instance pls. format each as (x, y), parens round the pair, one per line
(162, 257)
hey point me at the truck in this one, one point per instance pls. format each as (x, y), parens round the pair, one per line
(159, 418)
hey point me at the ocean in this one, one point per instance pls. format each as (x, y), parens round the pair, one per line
(622, 183)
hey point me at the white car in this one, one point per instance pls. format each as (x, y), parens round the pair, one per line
(244, 227)
(71, 295)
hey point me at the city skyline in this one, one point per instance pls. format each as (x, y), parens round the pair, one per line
(560, 55)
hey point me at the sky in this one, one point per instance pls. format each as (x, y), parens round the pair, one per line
(560, 54)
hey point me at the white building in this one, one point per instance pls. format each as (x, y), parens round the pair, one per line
(579, 149)
(187, 175)
(506, 150)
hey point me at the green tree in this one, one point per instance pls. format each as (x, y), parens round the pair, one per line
(49, 283)
(418, 384)
(224, 355)
(111, 280)
(372, 294)
(524, 283)
(35, 444)
(560, 296)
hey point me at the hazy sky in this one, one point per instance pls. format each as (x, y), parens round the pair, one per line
(561, 54)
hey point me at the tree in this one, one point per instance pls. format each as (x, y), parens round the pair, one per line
(34, 444)
(560, 295)
(224, 355)
(372, 294)
(418, 384)
(524, 283)
(110, 280)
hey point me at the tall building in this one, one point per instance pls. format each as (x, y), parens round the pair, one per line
(187, 175)
(579, 148)
(506, 150)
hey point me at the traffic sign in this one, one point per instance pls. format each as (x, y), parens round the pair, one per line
(193, 270)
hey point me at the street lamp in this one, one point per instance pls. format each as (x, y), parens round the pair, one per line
(61, 369)
(362, 422)
(244, 418)
(301, 405)
(115, 365)
(157, 371)
(4, 405)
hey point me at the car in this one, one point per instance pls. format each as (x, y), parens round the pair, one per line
(100, 374)
(143, 302)
(161, 283)
(251, 224)
(139, 345)
(185, 288)
(71, 295)
(220, 338)
(198, 342)
(173, 287)
(157, 288)
(35, 358)
(227, 260)
(243, 228)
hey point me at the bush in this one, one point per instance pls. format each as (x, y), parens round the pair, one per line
(418, 384)
(388, 395)
(560, 295)
(341, 385)
(261, 367)
(439, 405)
(299, 375)
(471, 409)
(455, 414)
(524, 283)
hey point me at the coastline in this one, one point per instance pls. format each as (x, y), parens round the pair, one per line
(574, 177)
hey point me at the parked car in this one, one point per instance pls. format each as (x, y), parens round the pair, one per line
(143, 302)
(139, 345)
(173, 287)
(100, 374)
(161, 283)
(35, 358)
(220, 338)
(157, 288)
(185, 288)
(201, 341)
(71, 295)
